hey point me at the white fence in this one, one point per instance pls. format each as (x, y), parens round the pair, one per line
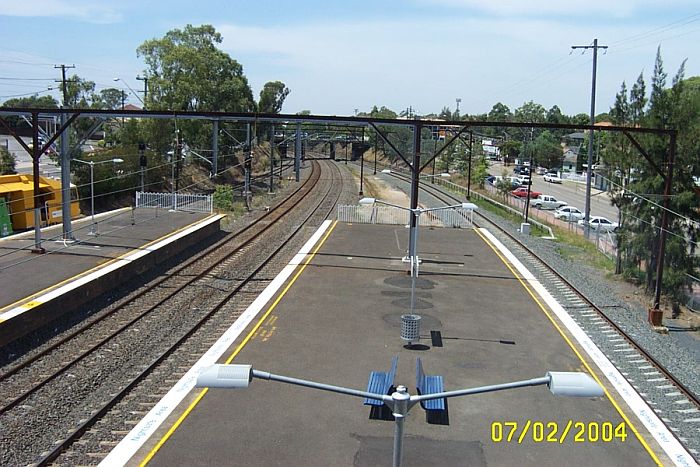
(358, 214)
(176, 201)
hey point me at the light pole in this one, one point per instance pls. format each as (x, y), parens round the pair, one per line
(412, 256)
(144, 78)
(571, 384)
(130, 89)
(93, 228)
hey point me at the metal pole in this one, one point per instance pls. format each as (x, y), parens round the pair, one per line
(469, 170)
(416, 261)
(664, 223)
(362, 171)
(172, 175)
(376, 143)
(35, 169)
(415, 182)
(297, 153)
(272, 158)
(529, 185)
(215, 148)
(93, 229)
(400, 410)
(65, 181)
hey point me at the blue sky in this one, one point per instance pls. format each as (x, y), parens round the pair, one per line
(338, 56)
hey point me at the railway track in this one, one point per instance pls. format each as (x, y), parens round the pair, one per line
(71, 402)
(669, 397)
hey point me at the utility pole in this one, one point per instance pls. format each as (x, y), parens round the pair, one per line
(589, 171)
(65, 161)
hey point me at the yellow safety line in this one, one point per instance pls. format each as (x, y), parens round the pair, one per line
(201, 394)
(571, 344)
(22, 301)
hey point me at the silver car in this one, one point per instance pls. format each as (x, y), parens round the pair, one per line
(568, 213)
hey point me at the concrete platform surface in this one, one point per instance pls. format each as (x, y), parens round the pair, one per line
(31, 272)
(341, 319)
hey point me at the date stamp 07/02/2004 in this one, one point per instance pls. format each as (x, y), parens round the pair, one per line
(554, 432)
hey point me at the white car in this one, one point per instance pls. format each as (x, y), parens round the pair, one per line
(568, 213)
(600, 223)
(552, 178)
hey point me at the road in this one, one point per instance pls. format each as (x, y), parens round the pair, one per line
(572, 192)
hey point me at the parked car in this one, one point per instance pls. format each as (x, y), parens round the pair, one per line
(491, 180)
(521, 181)
(547, 202)
(522, 193)
(568, 213)
(600, 223)
(552, 178)
(540, 171)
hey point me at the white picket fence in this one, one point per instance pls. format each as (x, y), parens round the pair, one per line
(176, 202)
(359, 214)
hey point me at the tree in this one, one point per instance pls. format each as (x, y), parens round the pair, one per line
(547, 150)
(188, 72)
(7, 162)
(639, 193)
(35, 101)
(272, 97)
(111, 98)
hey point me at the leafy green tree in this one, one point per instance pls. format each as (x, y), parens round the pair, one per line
(638, 193)
(272, 97)
(188, 72)
(35, 101)
(547, 150)
(111, 98)
(7, 162)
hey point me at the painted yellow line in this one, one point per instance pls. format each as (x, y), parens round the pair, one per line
(542, 307)
(22, 301)
(255, 328)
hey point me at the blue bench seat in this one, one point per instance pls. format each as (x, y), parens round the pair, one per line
(429, 384)
(381, 382)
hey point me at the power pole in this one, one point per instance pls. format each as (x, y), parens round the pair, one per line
(589, 171)
(64, 90)
(65, 162)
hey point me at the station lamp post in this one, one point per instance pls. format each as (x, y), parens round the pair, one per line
(572, 384)
(93, 228)
(413, 244)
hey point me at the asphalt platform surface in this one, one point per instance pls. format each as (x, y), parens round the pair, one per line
(341, 319)
(23, 273)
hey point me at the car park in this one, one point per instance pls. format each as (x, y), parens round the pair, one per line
(552, 178)
(568, 213)
(600, 223)
(522, 193)
(547, 202)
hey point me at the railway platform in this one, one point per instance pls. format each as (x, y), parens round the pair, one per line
(334, 315)
(37, 288)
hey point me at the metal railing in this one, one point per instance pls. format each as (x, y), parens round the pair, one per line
(357, 214)
(176, 201)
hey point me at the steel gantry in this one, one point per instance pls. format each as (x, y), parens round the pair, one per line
(457, 129)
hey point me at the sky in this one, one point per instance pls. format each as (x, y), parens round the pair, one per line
(340, 57)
